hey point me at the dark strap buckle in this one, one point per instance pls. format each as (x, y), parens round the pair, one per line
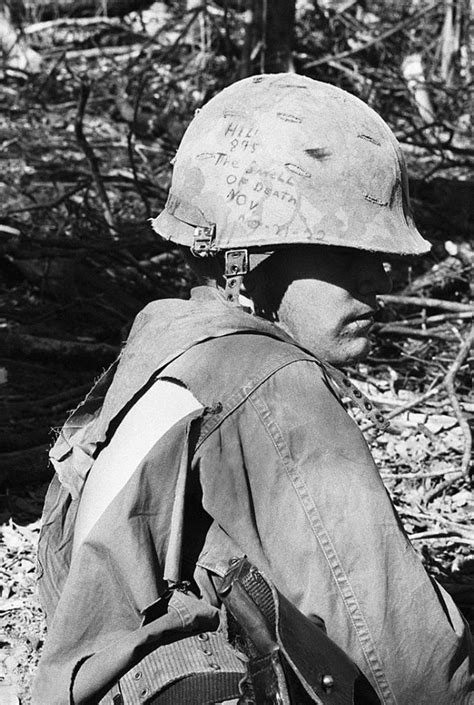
(203, 241)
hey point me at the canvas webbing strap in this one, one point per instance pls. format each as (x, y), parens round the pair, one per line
(204, 664)
(200, 688)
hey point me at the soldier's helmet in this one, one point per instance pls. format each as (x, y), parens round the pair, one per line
(282, 159)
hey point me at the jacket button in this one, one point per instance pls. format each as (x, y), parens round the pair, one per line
(203, 637)
(137, 675)
(215, 666)
(327, 682)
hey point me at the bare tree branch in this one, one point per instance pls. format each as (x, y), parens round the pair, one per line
(90, 155)
(427, 302)
(449, 384)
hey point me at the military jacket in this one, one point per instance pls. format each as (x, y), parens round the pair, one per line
(272, 467)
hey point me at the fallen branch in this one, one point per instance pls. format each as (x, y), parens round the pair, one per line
(39, 27)
(119, 52)
(439, 489)
(14, 344)
(28, 247)
(406, 407)
(425, 302)
(440, 146)
(90, 155)
(37, 407)
(439, 318)
(449, 385)
(50, 204)
(433, 535)
(130, 136)
(50, 9)
(420, 475)
(427, 518)
(406, 332)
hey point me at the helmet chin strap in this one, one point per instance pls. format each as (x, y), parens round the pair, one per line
(236, 266)
(236, 261)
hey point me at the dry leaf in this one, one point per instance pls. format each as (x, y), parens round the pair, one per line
(10, 604)
(8, 694)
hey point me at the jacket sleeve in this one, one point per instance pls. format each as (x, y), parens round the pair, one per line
(289, 479)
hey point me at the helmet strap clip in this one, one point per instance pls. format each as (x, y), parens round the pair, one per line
(235, 268)
(203, 241)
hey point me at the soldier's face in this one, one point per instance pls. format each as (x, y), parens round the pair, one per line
(324, 297)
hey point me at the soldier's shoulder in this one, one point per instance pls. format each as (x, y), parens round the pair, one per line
(232, 362)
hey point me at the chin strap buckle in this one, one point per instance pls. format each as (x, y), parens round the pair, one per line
(236, 267)
(203, 241)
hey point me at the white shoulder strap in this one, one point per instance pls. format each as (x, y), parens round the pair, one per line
(162, 405)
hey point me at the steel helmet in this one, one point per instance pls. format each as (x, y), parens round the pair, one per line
(281, 159)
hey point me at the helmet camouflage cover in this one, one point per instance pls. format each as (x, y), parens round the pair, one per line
(282, 159)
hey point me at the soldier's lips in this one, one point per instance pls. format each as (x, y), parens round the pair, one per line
(363, 321)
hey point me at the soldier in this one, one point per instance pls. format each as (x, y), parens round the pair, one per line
(220, 433)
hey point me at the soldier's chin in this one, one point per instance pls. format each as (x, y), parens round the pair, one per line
(362, 349)
(366, 348)
(352, 352)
